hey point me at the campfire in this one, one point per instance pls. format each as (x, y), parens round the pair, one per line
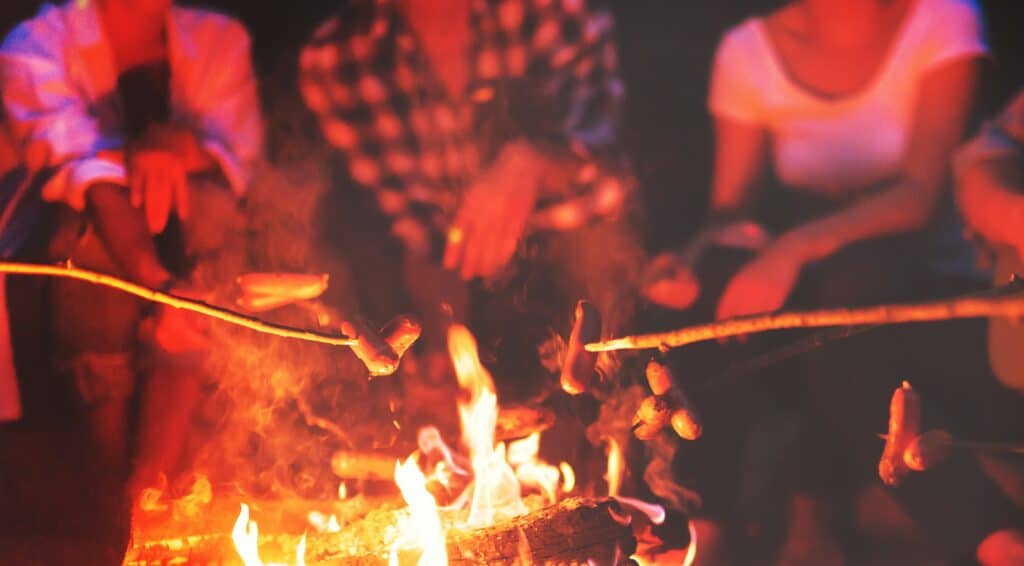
(473, 501)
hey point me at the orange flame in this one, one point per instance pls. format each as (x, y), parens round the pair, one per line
(422, 529)
(496, 492)
(614, 474)
(568, 477)
(245, 535)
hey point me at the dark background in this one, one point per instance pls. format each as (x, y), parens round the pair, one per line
(665, 48)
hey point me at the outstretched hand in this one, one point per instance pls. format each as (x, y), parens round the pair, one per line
(763, 284)
(492, 218)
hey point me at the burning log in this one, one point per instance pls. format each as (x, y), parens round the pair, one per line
(571, 532)
(1011, 306)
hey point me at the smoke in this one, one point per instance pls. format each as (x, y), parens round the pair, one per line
(278, 408)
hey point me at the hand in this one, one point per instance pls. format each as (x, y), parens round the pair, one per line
(157, 180)
(764, 283)
(178, 331)
(669, 282)
(492, 218)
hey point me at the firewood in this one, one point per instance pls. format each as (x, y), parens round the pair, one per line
(572, 532)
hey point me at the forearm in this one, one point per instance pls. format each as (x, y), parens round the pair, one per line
(904, 207)
(991, 196)
(123, 230)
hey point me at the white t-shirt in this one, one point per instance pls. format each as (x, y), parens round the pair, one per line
(837, 145)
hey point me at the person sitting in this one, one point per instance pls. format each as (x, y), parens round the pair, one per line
(477, 133)
(857, 107)
(144, 121)
(989, 174)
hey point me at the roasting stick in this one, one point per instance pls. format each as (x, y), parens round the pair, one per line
(70, 271)
(965, 307)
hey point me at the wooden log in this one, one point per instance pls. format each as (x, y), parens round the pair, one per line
(572, 532)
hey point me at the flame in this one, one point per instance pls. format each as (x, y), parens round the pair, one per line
(323, 523)
(342, 491)
(192, 504)
(568, 477)
(496, 492)
(245, 535)
(691, 550)
(422, 529)
(149, 499)
(614, 474)
(531, 472)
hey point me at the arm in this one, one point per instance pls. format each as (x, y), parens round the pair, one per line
(577, 109)
(125, 234)
(991, 196)
(908, 203)
(223, 127)
(48, 116)
(740, 152)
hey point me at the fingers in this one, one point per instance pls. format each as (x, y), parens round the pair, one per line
(136, 187)
(181, 194)
(158, 200)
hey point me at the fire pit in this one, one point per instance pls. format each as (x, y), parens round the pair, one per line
(484, 501)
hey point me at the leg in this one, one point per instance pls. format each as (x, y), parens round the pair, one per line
(94, 330)
(213, 246)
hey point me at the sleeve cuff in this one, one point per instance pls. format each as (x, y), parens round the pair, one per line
(70, 184)
(992, 143)
(234, 171)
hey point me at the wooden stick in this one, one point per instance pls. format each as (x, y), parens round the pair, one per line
(966, 307)
(232, 317)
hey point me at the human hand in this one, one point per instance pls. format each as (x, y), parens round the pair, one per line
(157, 182)
(669, 281)
(492, 218)
(764, 283)
(178, 331)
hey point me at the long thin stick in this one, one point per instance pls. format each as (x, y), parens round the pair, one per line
(155, 296)
(966, 307)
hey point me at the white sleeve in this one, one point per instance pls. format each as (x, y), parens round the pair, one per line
(734, 93)
(46, 113)
(956, 31)
(226, 111)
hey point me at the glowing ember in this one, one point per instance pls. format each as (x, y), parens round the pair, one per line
(422, 529)
(614, 474)
(568, 477)
(245, 535)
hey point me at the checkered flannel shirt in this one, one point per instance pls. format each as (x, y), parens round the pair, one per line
(541, 70)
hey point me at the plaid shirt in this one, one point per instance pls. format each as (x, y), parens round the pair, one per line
(540, 70)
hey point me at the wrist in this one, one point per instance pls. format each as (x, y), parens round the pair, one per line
(803, 245)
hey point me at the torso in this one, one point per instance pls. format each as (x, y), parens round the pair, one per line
(836, 69)
(444, 34)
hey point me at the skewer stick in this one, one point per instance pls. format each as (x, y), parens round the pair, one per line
(1011, 306)
(976, 446)
(70, 271)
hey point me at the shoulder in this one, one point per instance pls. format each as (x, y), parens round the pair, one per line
(741, 43)
(951, 11)
(948, 17)
(40, 33)
(210, 25)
